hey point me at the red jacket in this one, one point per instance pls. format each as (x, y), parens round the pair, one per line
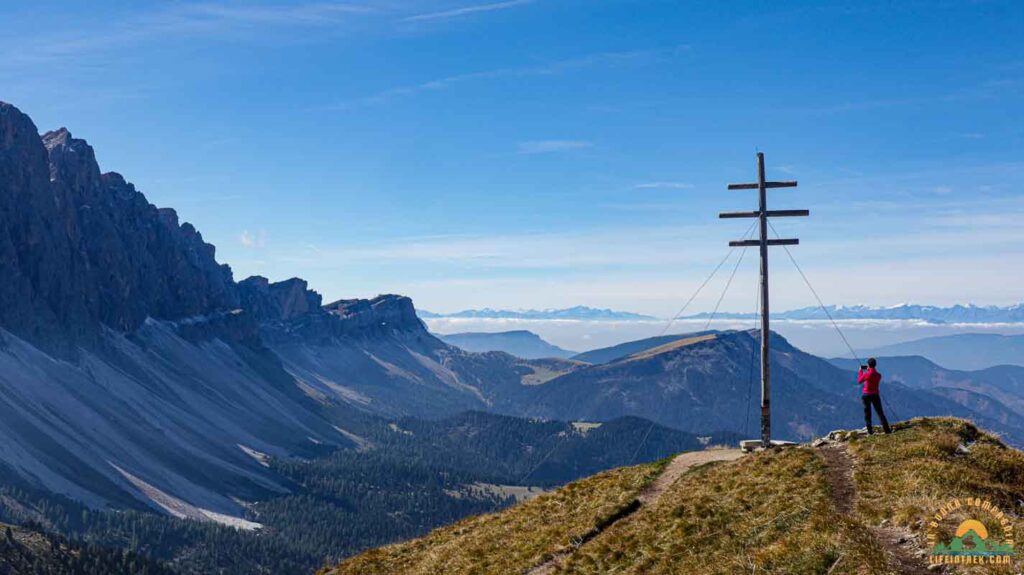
(870, 378)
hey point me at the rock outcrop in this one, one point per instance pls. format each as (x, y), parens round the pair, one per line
(290, 311)
(277, 302)
(382, 314)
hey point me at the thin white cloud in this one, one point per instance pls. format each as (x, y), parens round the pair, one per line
(663, 186)
(1007, 222)
(817, 337)
(950, 232)
(301, 14)
(982, 90)
(212, 20)
(552, 68)
(552, 146)
(253, 240)
(646, 246)
(466, 10)
(661, 292)
(653, 269)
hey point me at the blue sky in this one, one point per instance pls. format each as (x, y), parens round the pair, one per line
(549, 153)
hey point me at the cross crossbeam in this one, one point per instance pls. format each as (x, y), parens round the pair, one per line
(756, 185)
(757, 243)
(771, 214)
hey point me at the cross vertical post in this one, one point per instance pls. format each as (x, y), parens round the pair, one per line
(766, 379)
(762, 214)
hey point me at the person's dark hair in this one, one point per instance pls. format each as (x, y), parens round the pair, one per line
(872, 362)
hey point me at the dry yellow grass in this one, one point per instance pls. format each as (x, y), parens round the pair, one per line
(516, 539)
(541, 373)
(767, 513)
(907, 476)
(668, 347)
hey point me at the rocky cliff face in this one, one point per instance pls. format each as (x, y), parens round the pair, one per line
(169, 399)
(277, 302)
(289, 311)
(81, 249)
(380, 315)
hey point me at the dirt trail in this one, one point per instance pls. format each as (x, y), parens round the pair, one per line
(673, 471)
(898, 545)
(839, 471)
(680, 465)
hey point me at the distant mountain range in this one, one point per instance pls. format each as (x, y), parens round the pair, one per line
(579, 312)
(934, 314)
(955, 314)
(962, 350)
(520, 343)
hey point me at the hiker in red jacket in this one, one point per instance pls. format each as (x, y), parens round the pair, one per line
(870, 377)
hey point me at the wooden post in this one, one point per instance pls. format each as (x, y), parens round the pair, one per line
(766, 379)
(762, 214)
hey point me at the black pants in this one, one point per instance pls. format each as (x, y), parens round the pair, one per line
(873, 399)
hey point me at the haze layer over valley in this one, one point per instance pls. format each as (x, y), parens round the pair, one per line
(815, 336)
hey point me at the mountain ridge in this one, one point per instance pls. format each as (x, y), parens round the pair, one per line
(612, 353)
(579, 312)
(959, 313)
(520, 343)
(963, 351)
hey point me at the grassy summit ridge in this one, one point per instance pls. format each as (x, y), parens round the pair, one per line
(512, 542)
(785, 512)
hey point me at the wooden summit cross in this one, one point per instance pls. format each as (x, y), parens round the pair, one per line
(763, 213)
